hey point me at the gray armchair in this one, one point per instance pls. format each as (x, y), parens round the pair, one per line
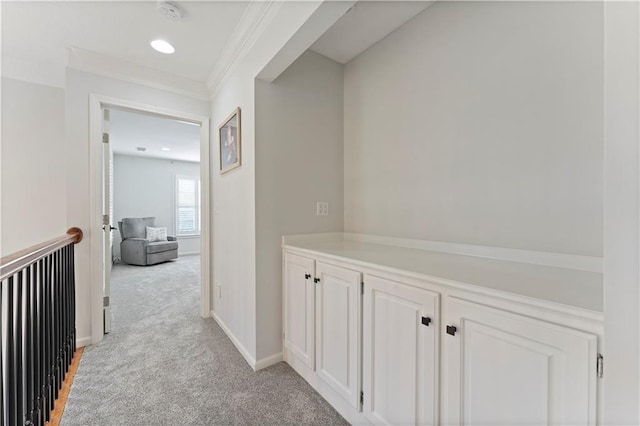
(135, 249)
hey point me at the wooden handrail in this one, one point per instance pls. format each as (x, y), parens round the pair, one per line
(19, 260)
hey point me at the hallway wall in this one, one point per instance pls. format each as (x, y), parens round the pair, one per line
(480, 123)
(299, 153)
(33, 162)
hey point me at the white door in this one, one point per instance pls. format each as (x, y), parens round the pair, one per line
(338, 330)
(400, 353)
(507, 369)
(107, 176)
(299, 313)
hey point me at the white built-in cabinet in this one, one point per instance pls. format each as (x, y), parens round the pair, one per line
(503, 368)
(386, 349)
(299, 308)
(338, 329)
(400, 326)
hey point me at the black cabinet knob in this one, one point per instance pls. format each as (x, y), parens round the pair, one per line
(307, 276)
(316, 280)
(426, 321)
(451, 329)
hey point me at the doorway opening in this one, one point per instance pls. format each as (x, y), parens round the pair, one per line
(152, 192)
(161, 199)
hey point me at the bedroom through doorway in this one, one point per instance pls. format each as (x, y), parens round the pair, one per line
(153, 199)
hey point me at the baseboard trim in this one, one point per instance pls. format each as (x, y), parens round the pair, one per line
(82, 342)
(268, 361)
(188, 253)
(243, 351)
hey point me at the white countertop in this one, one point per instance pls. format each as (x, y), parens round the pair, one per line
(579, 289)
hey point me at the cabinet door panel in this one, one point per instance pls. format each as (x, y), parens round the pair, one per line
(400, 365)
(299, 308)
(338, 330)
(506, 369)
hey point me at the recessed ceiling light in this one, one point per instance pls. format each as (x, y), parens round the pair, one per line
(162, 46)
(166, 149)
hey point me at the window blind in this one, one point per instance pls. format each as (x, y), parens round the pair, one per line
(187, 205)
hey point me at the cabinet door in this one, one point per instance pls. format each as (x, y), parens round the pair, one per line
(507, 369)
(338, 330)
(299, 301)
(400, 351)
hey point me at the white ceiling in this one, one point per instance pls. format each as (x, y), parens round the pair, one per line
(129, 130)
(364, 25)
(37, 34)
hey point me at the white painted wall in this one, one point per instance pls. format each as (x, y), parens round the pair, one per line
(299, 156)
(79, 86)
(145, 187)
(622, 214)
(234, 194)
(33, 162)
(480, 123)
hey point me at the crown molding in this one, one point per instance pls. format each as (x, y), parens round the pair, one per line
(107, 66)
(46, 73)
(252, 23)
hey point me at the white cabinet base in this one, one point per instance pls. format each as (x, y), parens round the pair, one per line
(511, 358)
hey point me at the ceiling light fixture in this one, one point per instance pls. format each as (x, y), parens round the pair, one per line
(166, 149)
(163, 46)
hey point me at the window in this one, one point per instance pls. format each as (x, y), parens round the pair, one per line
(187, 205)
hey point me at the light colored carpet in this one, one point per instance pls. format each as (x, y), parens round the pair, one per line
(164, 365)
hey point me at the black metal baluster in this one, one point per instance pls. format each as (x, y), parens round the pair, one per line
(29, 396)
(41, 344)
(65, 312)
(52, 300)
(18, 335)
(48, 394)
(37, 283)
(12, 408)
(63, 352)
(3, 404)
(56, 325)
(73, 295)
(68, 304)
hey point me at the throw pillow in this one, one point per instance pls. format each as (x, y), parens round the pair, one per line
(156, 234)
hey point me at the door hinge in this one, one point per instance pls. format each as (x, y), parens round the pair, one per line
(362, 287)
(105, 138)
(600, 366)
(105, 219)
(361, 397)
(105, 301)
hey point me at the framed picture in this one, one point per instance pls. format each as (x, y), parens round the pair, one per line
(230, 150)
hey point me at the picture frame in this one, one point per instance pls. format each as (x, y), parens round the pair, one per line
(229, 142)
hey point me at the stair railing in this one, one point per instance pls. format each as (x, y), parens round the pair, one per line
(37, 320)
